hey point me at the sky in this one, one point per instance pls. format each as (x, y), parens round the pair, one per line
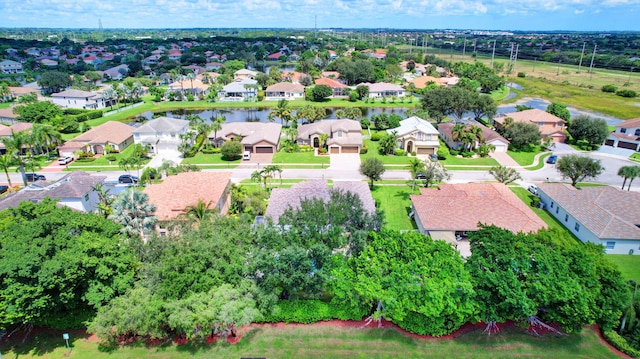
(527, 15)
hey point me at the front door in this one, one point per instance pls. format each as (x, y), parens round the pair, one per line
(316, 142)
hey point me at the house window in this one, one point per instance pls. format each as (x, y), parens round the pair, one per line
(623, 130)
(577, 227)
(86, 197)
(339, 133)
(566, 217)
(540, 124)
(610, 245)
(551, 204)
(557, 210)
(637, 133)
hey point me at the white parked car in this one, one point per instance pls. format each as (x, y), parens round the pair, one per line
(533, 189)
(65, 160)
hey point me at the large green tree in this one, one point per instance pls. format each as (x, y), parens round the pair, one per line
(54, 81)
(559, 110)
(58, 265)
(592, 130)
(38, 112)
(522, 135)
(417, 283)
(578, 168)
(372, 168)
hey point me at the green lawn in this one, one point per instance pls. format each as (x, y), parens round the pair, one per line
(551, 221)
(388, 160)
(299, 157)
(540, 163)
(214, 159)
(461, 161)
(328, 342)
(102, 161)
(635, 156)
(395, 202)
(629, 265)
(522, 157)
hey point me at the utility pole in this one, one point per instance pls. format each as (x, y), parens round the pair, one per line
(593, 56)
(493, 54)
(584, 43)
(464, 47)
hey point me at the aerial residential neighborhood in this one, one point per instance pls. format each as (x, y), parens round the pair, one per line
(212, 190)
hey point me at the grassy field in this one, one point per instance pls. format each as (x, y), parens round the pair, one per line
(389, 159)
(522, 157)
(102, 161)
(540, 163)
(395, 202)
(461, 161)
(330, 342)
(210, 159)
(299, 157)
(629, 265)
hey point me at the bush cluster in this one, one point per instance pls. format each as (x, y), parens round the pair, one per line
(311, 311)
(620, 343)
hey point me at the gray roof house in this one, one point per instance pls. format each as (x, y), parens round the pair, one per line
(162, 135)
(80, 99)
(257, 137)
(239, 90)
(602, 215)
(345, 135)
(284, 198)
(416, 135)
(384, 89)
(75, 190)
(10, 67)
(117, 72)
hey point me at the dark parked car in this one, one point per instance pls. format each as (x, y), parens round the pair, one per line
(3, 189)
(552, 159)
(32, 177)
(128, 179)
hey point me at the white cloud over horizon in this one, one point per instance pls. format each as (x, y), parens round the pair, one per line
(424, 14)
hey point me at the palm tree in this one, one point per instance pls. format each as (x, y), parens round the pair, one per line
(628, 173)
(5, 163)
(415, 166)
(14, 145)
(282, 111)
(199, 211)
(190, 76)
(216, 125)
(45, 136)
(629, 317)
(134, 212)
(109, 94)
(104, 200)
(458, 132)
(322, 140)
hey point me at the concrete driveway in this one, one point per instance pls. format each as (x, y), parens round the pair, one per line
(345, 161)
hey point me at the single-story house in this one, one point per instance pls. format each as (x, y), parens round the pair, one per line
(239, 90)
(80, 99)
(284, 90)
(338, 88)
(257, 137)
(112, 133)
(117, 72)
(550, 126)
(344, 135)
(489, 136)
(194, 87)
(626, 135)
(602, 215)
(161, 135)
(74, 190)
(7, 115)
(451, 210)
(384, 89)
(10, 67)
(178, 192)
(416, 135)
(284, 198)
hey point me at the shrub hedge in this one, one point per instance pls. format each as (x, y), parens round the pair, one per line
(311, 311)
(620, 343)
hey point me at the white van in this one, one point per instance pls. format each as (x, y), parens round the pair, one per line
(246, 156)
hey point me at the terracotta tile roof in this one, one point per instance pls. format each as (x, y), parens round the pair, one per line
(634, 122)
(460, 207)
(251, 132)
(422, 81)
(536, 116)
(607, 212)
(109, 132)
(177, 192)
(8, 113)
(331, 127)
(283, 198)
(624, 136)
(330, 82)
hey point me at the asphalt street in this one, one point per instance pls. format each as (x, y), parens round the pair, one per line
(348, 170)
